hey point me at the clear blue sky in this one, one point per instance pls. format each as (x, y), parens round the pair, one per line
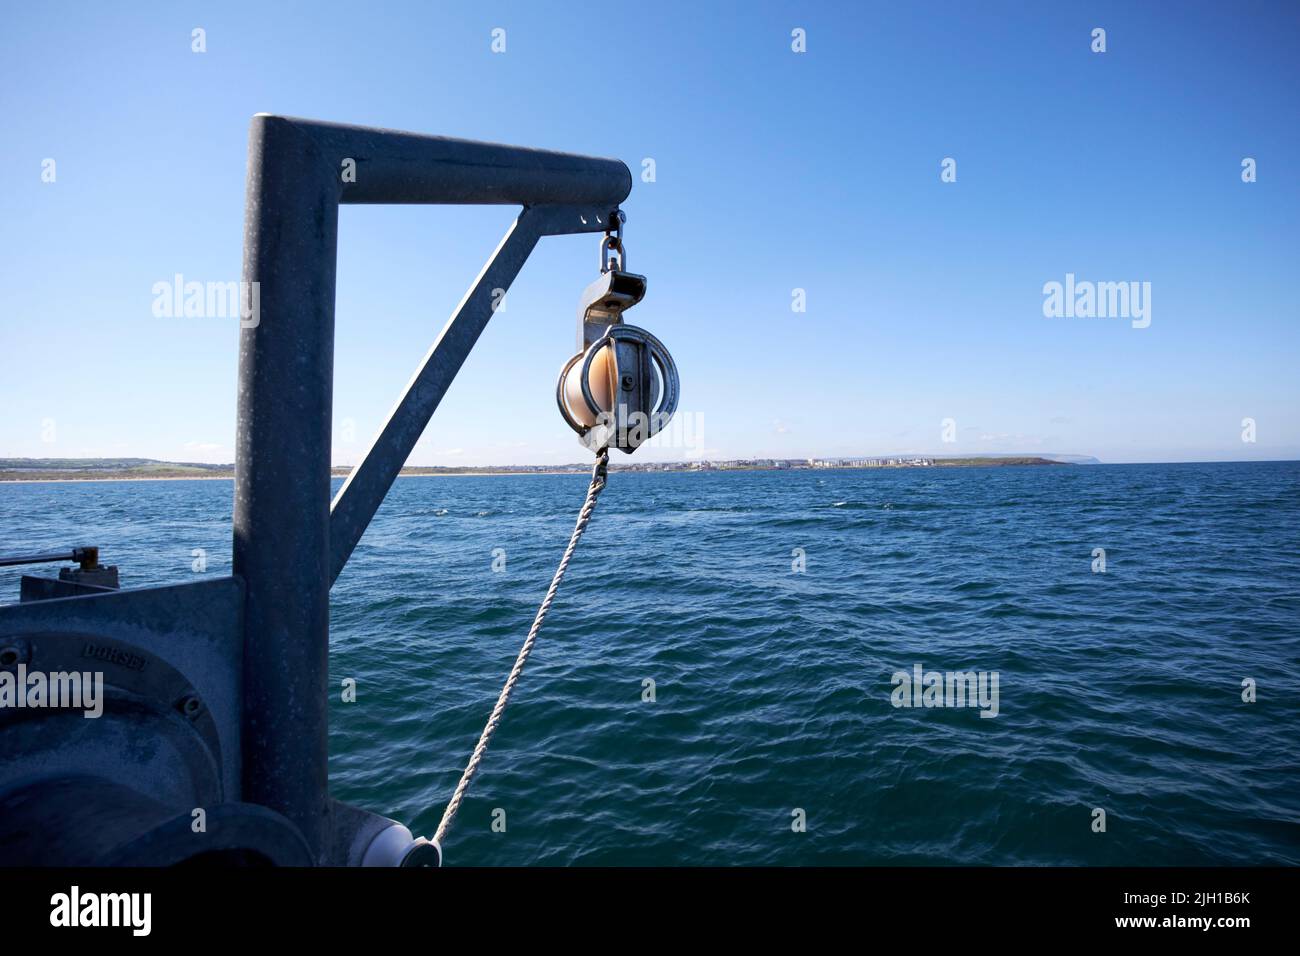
(775, 171)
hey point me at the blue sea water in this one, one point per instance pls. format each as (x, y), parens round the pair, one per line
(1119, 690)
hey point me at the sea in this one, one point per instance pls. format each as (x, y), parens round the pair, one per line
(726, 675)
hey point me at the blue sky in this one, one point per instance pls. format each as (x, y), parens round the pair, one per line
(775, 170)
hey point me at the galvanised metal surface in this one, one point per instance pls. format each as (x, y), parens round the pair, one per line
(285, 547)
(193, 629)
(102, 822)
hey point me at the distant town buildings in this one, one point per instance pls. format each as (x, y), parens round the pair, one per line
(750, 464)
(870, 462)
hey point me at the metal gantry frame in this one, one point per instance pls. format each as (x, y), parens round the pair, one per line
(290, 541)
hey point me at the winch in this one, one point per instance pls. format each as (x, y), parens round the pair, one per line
(621, 387)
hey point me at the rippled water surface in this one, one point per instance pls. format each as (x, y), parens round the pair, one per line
(1119, 690)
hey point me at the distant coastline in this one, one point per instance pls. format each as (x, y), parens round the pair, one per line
(148, 469)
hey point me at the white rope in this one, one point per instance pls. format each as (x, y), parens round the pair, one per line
(598, 477)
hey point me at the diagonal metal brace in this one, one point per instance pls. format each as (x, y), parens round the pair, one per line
(365, 488)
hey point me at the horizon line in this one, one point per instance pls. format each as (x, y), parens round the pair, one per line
(688, 462)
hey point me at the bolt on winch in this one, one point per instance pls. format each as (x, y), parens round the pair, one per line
(621, 388)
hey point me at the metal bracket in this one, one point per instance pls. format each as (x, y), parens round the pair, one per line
(604, 301)
(364, 490)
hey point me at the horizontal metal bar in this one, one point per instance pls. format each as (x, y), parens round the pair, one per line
(9, 562)
(390, 166)
(88, 558)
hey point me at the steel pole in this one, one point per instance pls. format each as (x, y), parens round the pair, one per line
(282, 473)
